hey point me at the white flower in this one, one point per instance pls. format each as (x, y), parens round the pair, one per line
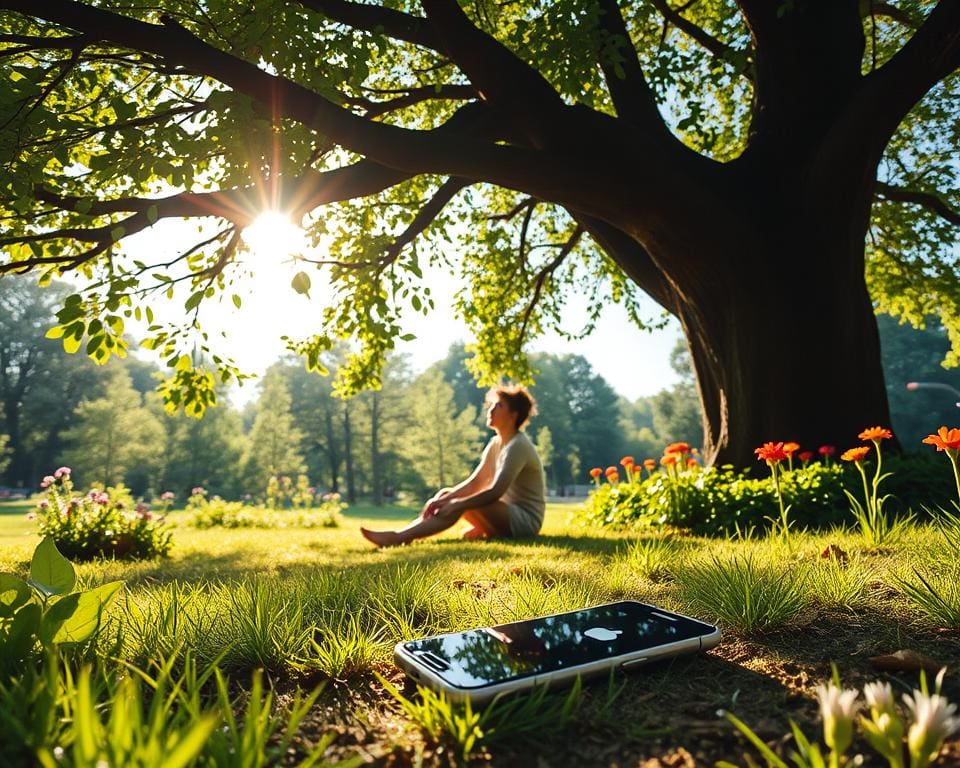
(837, 707)
(933, 721)
(879, 697)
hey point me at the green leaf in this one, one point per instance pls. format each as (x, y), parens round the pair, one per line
(153, 213)
(195, 298)
(54, 333)
(22, 633)
(236, 301)
(56, 615)
(301, 283)
(85, 620)
(50, 572)
(14, 593)
(190, 746)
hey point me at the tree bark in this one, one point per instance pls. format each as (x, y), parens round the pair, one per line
(348, 455)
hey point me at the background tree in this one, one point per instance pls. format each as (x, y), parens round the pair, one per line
(544, 446)
(916, 355)
(205, 452)
(113, 434)
(728, 158)
(4, 452)
(274, 444)
(443, 444)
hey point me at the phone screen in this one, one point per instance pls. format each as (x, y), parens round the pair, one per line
(483, 657)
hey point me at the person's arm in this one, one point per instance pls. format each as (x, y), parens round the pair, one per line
(479, 478)
(513, 462)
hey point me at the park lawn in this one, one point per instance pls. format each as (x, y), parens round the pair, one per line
(258, 598)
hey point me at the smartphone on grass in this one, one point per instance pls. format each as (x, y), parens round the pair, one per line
(552, 650)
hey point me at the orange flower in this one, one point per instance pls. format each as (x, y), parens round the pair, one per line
(669, 461)
(875, 433)
(677, 448)
(791, 448)
(612, 471)
(626, 461)
(772, 452)
(692, 463)
(855, 454)
(944, 440)
(596, 472)
(650, 464)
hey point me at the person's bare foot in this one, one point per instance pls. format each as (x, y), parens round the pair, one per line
(475, 533)
(382, 538)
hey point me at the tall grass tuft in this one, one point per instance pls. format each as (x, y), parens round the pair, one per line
(466, 730)
(841, 583)
(650, 559)
(344, 649)
(742, 594)
(936, 596)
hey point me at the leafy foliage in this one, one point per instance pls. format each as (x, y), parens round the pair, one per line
(101, 523)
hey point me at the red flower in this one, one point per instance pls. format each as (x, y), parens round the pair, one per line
(650, 464)
(596, 472)
(669, 461)
(791, 448)
(805, 455)
(875, 433)
(626, 461)
(827, 450)
(677, 448)
(772, 452)
(944, 440)
(855, 454)
(692, 463)
(612, 471)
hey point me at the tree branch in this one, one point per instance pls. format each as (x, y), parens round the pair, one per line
(542, 276)
(712, 44)
(374, 18)
(449, 92)
(498, 74)
(411, 151)
(926, 200)
(930, 55)
(631, 95)
(888, 10)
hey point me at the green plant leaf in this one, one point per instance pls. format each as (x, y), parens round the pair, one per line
(50, 572)
(22, 633)
(14, 593)
(85, 620)
(301, 283)
(56, 615)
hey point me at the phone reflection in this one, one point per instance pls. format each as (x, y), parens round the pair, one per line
(509, 651)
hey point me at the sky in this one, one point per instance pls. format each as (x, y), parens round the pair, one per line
(634, 362)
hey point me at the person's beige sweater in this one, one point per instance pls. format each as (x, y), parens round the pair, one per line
(517, 473)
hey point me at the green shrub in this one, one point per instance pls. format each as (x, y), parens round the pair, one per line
(215, 512)
(719, 500)
(102, 523)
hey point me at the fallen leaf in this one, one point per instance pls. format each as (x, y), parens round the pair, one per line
(834, 551)
(905, 661)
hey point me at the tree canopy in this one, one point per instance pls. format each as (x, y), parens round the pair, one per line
(556, 146)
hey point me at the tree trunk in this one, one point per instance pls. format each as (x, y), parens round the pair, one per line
(16, 471)
(375, 474)
(348, 455)
(333, 458)
(783, 335)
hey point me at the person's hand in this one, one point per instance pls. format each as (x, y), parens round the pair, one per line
(443, 507)
(431, 507)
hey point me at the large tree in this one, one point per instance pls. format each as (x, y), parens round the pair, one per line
(729, 157)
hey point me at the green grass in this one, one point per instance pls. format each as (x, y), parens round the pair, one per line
(319, 605)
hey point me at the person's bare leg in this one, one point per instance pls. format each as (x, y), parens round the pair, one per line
(491, 521)
(418, 529)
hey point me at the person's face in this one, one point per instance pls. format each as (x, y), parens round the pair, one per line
(499, 415)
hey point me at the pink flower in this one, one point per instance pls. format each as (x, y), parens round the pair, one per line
(141, 508)
(31, 515)
(62, 472)
(167, 496)
(198, 491)
(47, 481)
(44, 504)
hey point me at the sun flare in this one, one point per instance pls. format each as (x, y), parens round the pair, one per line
(273, 235)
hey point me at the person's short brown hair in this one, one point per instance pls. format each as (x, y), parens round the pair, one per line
(518, 400)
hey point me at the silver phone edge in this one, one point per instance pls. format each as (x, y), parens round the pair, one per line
(425, 676)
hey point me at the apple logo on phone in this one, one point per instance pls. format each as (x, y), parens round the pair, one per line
(603, 634)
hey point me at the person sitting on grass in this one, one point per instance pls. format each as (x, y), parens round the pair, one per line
(505, 496)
